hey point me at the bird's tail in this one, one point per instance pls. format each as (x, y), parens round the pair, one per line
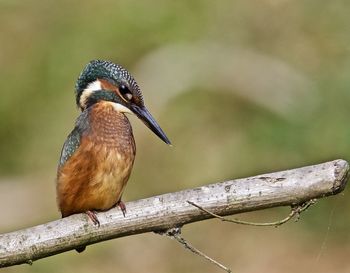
(80, 249)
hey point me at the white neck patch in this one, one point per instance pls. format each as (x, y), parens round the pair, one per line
(92, 87)
(96, 86)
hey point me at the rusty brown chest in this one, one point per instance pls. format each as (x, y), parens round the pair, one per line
(94, 177)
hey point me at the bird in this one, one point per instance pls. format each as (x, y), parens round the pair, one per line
(98, 155)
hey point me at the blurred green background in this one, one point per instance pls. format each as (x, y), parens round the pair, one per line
(240, 88)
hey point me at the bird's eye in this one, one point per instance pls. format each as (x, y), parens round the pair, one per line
(125, 92)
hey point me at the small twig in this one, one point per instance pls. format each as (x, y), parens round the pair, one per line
(174, 233)
(295, 211)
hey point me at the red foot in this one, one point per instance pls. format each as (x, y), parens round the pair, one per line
(122, 206)
(93, 217)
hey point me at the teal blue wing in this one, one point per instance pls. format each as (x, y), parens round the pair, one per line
(70, 146)
(72, 143)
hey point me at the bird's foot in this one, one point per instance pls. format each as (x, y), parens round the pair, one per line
(122, 206)
(92, 215)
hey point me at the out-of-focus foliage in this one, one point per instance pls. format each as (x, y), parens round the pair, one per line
(240, 87)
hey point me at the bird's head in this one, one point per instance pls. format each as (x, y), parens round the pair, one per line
(106, 81)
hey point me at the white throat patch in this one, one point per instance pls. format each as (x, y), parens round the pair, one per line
(120, 108)
(96, 86)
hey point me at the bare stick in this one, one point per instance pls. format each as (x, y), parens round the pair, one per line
(294, 211)
(285, 188)
(174, 233)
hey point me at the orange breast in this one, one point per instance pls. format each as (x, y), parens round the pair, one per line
(95, 176)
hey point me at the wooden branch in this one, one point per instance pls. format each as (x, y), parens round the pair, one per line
(170, 210)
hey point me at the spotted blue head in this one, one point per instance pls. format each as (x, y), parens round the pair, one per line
(106, 81)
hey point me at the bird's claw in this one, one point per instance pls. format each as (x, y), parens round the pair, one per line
(92, 215)
(122, 206)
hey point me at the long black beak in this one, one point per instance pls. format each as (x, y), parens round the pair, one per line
(146, 117)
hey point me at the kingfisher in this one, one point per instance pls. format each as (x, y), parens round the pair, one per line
(98, 155)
